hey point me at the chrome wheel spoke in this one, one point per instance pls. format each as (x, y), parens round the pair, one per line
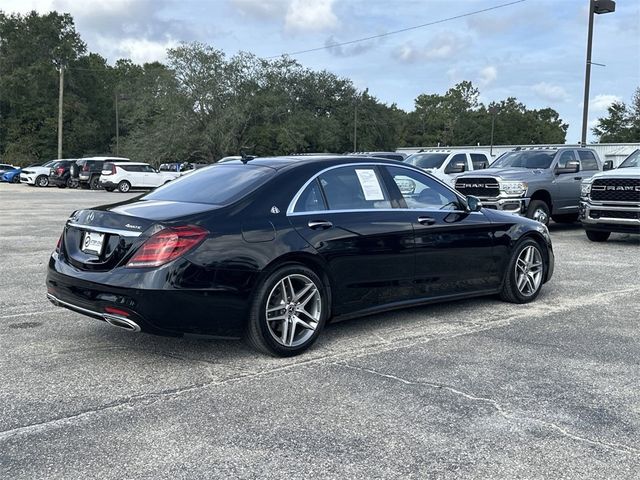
(293, 310)
(529, 268)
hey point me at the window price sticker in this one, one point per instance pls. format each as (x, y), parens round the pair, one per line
(370, 184)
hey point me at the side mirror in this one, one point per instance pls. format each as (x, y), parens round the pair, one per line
(572, 167)
(457, 167)
(608, 165)
(474, 204)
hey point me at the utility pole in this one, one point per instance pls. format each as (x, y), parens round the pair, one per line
(492, 110)
(355, 128)
(117, 128)
(60, 97)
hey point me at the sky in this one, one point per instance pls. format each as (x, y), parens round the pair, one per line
(534, 50)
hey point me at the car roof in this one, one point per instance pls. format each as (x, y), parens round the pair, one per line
(117, 159)
(278, 163)
(128, 163)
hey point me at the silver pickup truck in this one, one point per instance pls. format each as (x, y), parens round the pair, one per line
(611, 201)
(537, 182)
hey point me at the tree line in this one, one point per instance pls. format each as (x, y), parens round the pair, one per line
(202, 105)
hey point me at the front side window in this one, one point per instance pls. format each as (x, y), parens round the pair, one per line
(455, 162)
(566, 157)
(421, 192)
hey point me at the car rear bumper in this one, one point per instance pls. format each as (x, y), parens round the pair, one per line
(168, 312)
(107, 184)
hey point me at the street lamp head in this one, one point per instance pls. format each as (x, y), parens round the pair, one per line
(604, 6)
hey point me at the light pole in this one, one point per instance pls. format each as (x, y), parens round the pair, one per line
(599, 7)
(121, 97)
(493, 110)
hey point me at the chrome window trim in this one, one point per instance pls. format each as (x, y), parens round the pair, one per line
(123, 233)
(296, 197)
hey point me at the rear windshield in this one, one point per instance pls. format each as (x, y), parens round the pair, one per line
(215, 185)
(526, 159)
(427, 160)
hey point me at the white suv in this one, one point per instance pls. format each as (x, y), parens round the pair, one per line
(124, 176)
(38, 175)
(446, 164)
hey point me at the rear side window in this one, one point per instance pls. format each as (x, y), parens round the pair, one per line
(311, 199)
(215, 185)
(479, 161)
(132, 168)
(588, 160)
(354, 188)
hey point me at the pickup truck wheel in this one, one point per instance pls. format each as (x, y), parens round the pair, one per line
(569, 218)
(124, 186)
(597, 235)
(539, 211)
(525, 273)
(42, 181)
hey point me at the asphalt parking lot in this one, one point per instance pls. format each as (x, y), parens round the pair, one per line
(472, 389)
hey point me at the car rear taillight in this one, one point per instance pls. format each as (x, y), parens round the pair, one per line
(60, 171)
(59, 244)
(85, 167)
(167, 245)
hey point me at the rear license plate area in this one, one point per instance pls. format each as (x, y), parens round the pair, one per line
(93, 243)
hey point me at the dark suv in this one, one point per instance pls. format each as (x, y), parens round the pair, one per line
(90, 169)
(60, 174)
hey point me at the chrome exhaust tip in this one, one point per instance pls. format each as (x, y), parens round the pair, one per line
(121, 322)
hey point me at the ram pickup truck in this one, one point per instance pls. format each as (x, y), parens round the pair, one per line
(610, 201)
(536, 182)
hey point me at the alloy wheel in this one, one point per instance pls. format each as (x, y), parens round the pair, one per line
(43, 181)
(293, 310)
(529, 269)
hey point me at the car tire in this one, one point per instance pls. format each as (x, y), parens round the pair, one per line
(569, 218)
(15, 179)
(539, 210)
(42, 181)
(124, 186)
(597, 235)
(62, 185)
(94, 183)
(109, 189)
(288, 331)
(525, 273)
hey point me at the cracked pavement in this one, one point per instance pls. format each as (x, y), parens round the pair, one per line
(471, 389)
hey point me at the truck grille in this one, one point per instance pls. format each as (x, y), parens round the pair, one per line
(614, 214)
(480, 187)
(616, 189)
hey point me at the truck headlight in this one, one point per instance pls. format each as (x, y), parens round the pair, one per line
(513, 188)
(585, 189)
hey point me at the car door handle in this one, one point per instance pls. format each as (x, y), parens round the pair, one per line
(577, 178)
(319, 224)
(426, 220)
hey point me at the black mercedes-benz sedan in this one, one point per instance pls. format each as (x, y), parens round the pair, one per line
(273, 248)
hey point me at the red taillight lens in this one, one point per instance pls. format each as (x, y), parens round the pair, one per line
(167, 245)
(85, 167)
(60, 170)
(59, 244)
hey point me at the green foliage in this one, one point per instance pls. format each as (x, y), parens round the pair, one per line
(622, 123)
(203, 105)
